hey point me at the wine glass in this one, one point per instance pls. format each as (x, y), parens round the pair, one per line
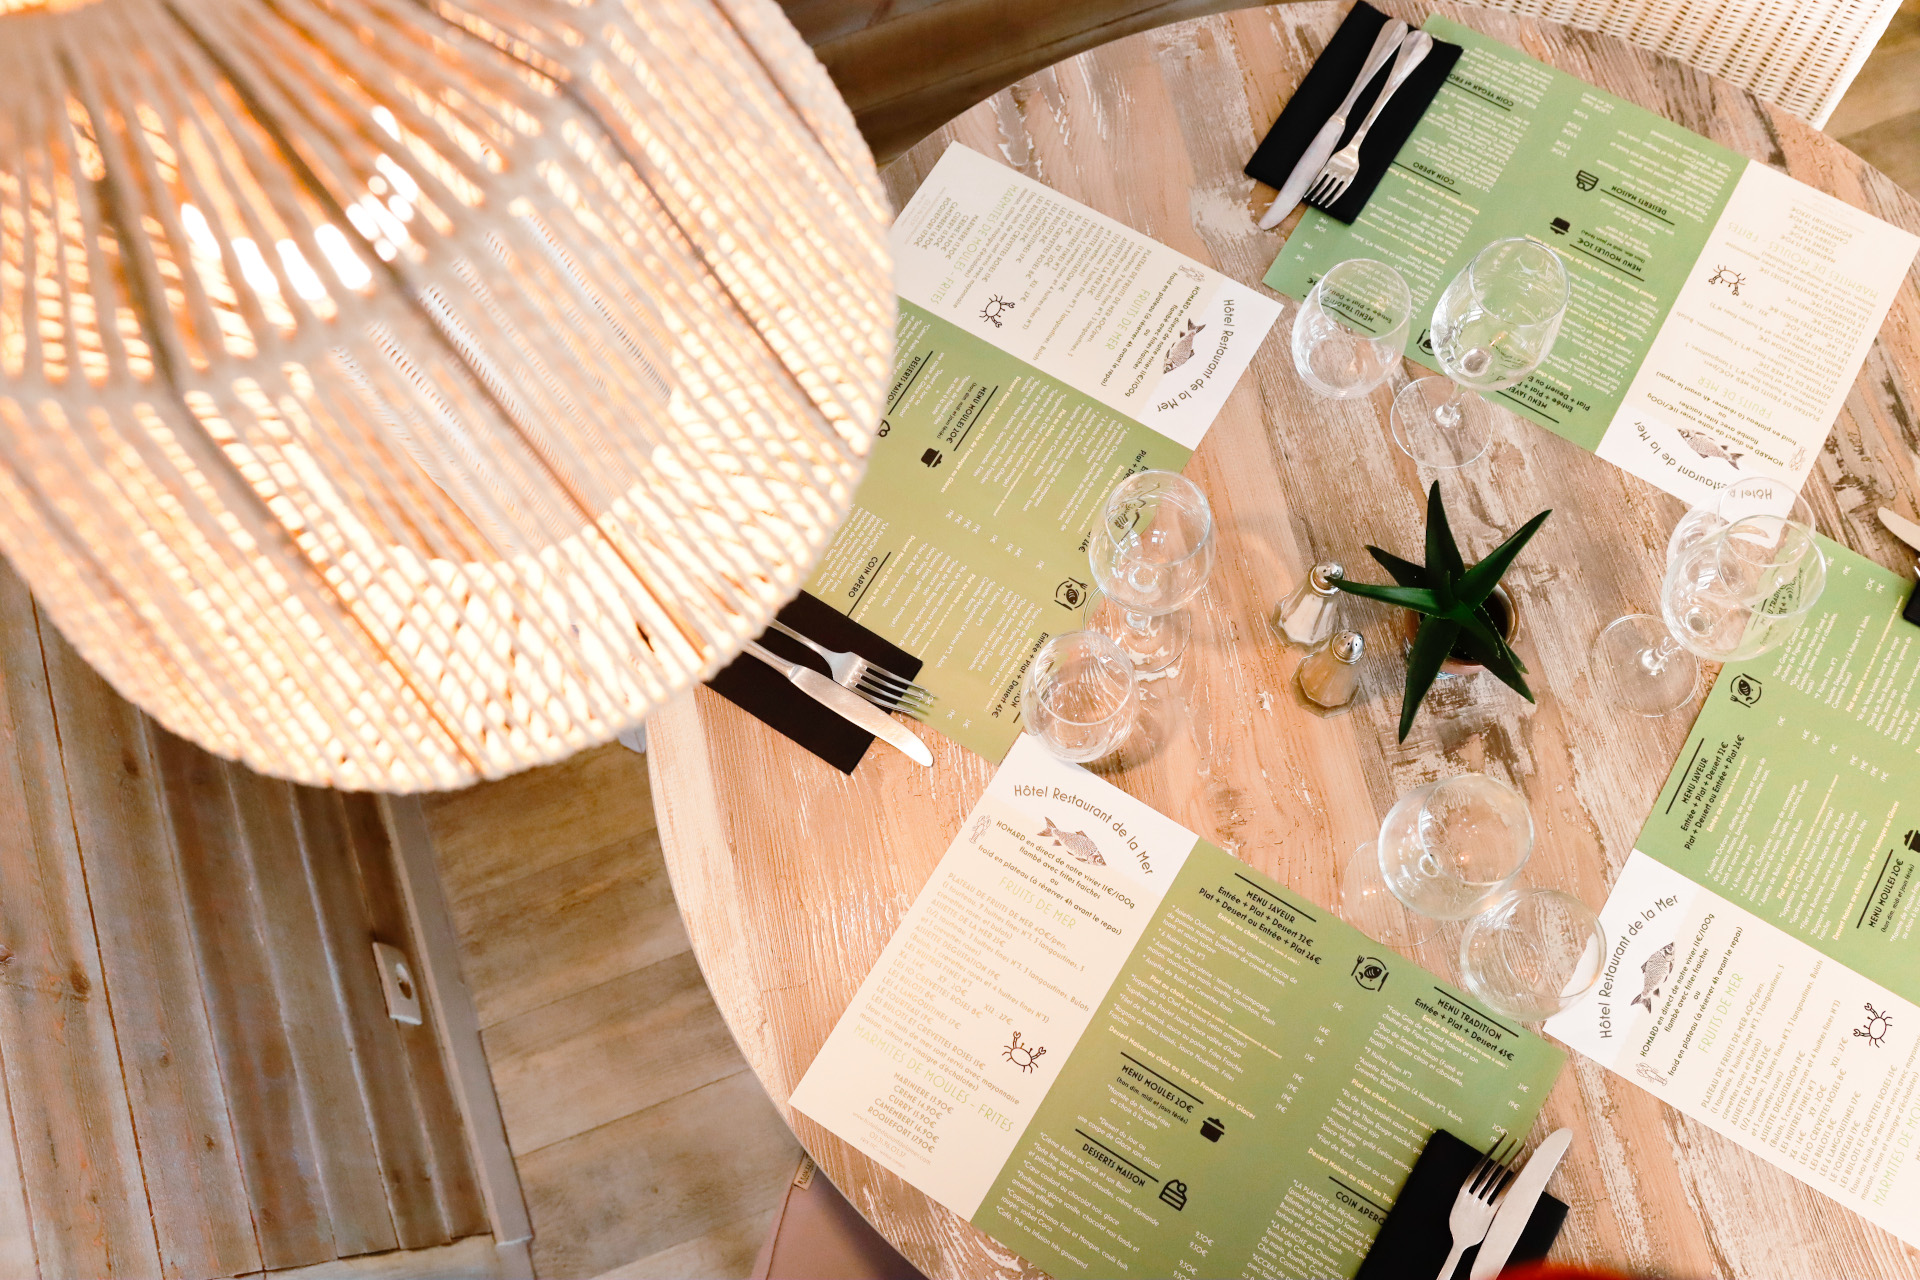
(1492, 327)
(1753, 496)
(1352, 328)
(1444, 850)
(1151, 551)
(1533, 953)
(1078, 696)
(1732, 595)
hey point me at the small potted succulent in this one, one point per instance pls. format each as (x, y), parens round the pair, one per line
(1465, 618)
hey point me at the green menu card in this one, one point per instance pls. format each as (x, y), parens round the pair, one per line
(1120, 1051)
(1719, 310)
(967, 542)
(1045, 352)
(1798, 794)
(1763, 973)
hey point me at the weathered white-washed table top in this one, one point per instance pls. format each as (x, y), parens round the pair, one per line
(792, 877)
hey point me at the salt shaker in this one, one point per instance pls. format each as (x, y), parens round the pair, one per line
(1329, 672)
(1306, 616)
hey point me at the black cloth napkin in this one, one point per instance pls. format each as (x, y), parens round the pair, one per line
(1326, 83)
(753, 686)
(1414, 1239)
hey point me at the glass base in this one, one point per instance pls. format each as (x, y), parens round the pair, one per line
(1434, 430)
(1369, 906)
(1644, 670)
(1154, 644)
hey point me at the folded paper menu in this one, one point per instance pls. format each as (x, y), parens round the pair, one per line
(1720, 310)
(1764, 973)
(1044, 353)
(1118, 1050)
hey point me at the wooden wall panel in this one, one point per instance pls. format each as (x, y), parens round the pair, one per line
(72, 1124)
(406, 1159)
(461, 1206)
(167, 1054)
(343, 1148)
(269, 1120)
(17, 1257)
(198, 1074)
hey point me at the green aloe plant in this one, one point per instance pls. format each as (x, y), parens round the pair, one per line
(1451, 598)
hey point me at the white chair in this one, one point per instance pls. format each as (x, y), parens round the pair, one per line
(1796, 54)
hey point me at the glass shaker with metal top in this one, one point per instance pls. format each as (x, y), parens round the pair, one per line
(1307, 614)
(1330, 671)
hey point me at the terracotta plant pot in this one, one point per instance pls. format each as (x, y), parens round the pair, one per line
(1506, 613)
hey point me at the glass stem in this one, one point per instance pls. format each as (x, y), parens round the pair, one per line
(1655, 660)
(1449, 414)
(1139, 623)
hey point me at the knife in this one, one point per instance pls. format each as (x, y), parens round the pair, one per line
(1908, 532)
(1320, 150)
(1516, 1208)
(849, 706)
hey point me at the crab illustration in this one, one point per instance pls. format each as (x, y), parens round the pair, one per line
(1024, 1056)
(1728, 277)
(996, 307)
(1875, 1032)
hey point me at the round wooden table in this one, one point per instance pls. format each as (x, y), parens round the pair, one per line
(792, 877)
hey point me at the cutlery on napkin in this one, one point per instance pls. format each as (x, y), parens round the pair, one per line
(1320, 150)
(1516, 1207)
(1344, 167)
(1414, 1239)
(848, 706)
(1322, 90)
(766, 694)
(1477, 1202)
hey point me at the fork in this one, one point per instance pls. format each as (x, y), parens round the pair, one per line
(1479, 1198)
(1345, 165)
(870, 680)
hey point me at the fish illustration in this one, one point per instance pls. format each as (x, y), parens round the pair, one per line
(1655, 971)
(1078, 844)
(1707, 447)
(1182, 349)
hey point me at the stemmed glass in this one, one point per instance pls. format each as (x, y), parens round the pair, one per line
(1753, 496)
(1151, 550)
(1352, 329)
(1444, 851)
(1492, 327)
(1533, 953)
(1079, 696)
(1731, 595)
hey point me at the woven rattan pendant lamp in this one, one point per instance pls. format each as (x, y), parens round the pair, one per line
(395, 393)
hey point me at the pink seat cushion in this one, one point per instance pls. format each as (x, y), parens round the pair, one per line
(817, 1235)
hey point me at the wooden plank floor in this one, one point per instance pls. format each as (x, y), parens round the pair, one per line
(1880, 116)
(645, 1147)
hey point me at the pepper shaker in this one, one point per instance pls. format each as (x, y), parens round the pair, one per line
(1306, 615)
(1330, 672)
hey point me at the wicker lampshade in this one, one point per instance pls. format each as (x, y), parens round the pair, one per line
(395, 393)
